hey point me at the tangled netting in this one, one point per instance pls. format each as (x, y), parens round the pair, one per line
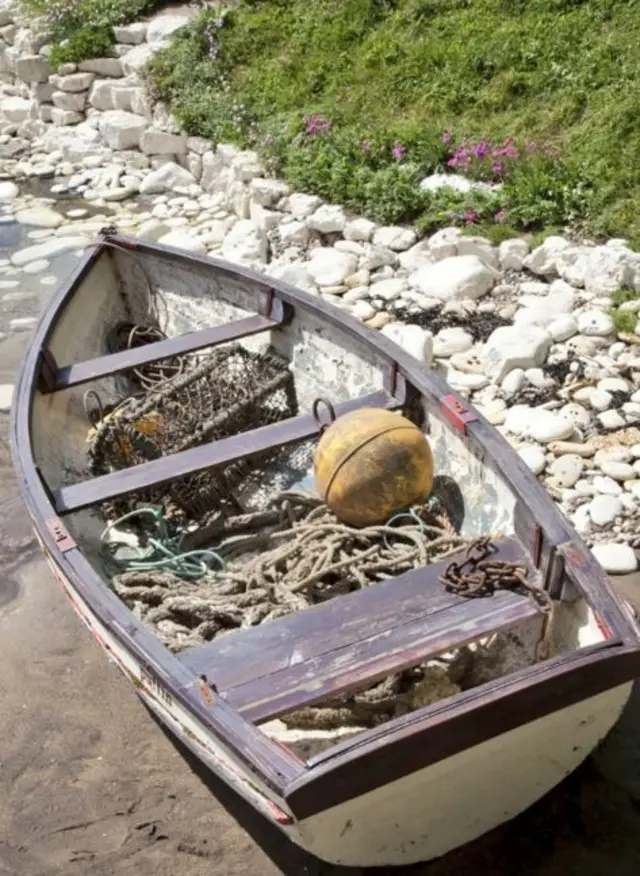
(183, 403)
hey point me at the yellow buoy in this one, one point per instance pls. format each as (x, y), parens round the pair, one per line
(371, 463)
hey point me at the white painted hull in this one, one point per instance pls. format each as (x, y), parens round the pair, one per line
(450, 803)
(421, 816)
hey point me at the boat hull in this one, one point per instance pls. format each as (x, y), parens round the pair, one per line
(419, 817)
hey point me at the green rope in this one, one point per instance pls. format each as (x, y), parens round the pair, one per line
(163, 551)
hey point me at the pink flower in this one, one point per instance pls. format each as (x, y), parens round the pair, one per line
(366, 145)
(500, 216)
(398, 151)
(315, 124)
(482, 148)
(446, 137)
(470, 216)
(498, 168)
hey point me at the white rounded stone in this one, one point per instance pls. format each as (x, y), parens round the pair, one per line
(619, 471)
(604, 509)
(8, 190)
(183, 240)
(615, 558)
(330, 267)
(39, 217)
(456, 277)
(533, 457)
(6, 397)
(605, 484)
(36, 267)
(600, 399)
(413, 339)
(394, 237)
(550, 426)
(566, 470)
(327, 219)
(363, 310)
(513, 382)
(611, 420)
(595, 323)
(563, 327)
(512, 347)
(451, 340)
(614, 384)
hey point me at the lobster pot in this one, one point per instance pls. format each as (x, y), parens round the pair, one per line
(226, 392)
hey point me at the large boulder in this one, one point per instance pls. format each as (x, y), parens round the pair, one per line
(245, 243)
(330, 267)
(456, 277)
(509, 347)
(122, 130)
(161, 28)
(33, 68)
(166, 178)
(155, 142)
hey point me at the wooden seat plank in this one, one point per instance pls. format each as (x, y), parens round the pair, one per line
(160, 471)
(352, 640)
(114, 363)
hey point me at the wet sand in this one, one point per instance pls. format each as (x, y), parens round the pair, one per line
(90, 786)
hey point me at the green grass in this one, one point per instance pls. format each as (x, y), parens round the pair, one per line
(563, 74)
(625, 321)
(84, 28)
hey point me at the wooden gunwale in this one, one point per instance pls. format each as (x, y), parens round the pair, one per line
(529, 694)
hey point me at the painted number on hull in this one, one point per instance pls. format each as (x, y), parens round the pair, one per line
(152, 684)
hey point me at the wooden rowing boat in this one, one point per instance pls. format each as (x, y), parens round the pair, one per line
(436, 773)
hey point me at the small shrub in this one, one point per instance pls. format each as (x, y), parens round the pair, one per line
(624, 320)
(83, 29)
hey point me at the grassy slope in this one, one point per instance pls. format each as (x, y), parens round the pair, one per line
(560, 71)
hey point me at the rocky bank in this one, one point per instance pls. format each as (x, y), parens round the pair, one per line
(525, 334)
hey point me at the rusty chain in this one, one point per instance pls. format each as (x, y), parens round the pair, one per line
(479, 576)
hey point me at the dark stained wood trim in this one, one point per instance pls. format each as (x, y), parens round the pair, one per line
(532, 694)
(168, 468)
(114, 363)
(467, 720)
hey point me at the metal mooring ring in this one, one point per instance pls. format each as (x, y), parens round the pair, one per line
(316, 413)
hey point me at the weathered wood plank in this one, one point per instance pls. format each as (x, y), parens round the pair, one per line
(168, 468)
(368, 661)
(114, 363)
(248, 654)
(353, 639)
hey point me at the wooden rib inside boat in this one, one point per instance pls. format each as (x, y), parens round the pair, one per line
(339, 677)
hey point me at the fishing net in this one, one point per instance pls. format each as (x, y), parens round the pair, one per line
(186, 402)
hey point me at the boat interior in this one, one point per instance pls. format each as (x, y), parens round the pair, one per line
(305, 663)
